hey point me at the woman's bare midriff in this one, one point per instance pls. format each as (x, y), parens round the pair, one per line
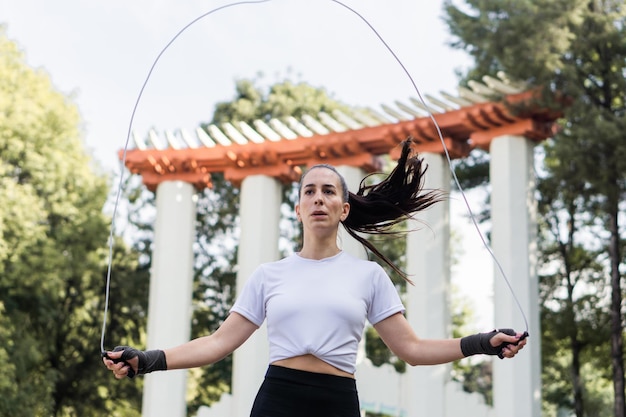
(311, 363)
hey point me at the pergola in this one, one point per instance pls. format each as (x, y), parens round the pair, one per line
(278, 148)
(261, 156)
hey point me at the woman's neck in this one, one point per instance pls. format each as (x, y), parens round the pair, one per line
(319, 249)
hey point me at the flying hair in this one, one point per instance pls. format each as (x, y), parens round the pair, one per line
(376, 208)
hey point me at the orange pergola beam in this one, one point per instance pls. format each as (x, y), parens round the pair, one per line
(462, 130)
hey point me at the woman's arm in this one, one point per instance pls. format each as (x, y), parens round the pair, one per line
(398, 335)
(202, 351)
(206, 350)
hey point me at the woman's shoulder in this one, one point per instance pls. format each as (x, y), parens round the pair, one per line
(362, 266)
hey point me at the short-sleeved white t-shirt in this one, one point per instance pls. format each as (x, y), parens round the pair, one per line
(318, 307)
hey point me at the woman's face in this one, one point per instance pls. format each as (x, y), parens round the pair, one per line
(321, 202)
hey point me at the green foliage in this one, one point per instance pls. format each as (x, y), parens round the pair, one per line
(52, 260)
(280, 100)
(576, 51)
(574, 288)
(526, 38)
(473, 171)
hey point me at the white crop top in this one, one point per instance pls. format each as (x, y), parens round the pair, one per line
(318, 307)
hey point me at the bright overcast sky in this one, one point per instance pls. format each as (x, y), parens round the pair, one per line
(100, 52)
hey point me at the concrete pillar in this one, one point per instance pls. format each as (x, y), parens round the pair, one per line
(169, 310)
(427, 302)
(517, 382)
(260, 215)
(353, 177)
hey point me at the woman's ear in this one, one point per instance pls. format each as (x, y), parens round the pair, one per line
(297, 208)
(345, 212)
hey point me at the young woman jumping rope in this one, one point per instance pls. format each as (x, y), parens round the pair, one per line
(317, 301)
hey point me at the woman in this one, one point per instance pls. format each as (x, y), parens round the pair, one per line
(317, 301)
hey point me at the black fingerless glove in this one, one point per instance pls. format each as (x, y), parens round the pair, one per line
(149, 360)
(480, 343)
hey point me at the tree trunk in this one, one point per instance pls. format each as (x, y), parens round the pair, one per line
(576, 379)
(617, 342)
(575, 345)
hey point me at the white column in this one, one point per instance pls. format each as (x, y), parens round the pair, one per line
(259, 215)
(517, 382)
(353, 177)
(427, 303)
(169, 310)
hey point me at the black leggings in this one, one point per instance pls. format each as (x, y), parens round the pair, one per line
(293, 393)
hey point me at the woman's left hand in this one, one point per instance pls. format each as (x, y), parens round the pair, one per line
(510, 344)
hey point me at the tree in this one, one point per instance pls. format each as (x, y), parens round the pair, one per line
(573, 287)
(52, 254)
(576, 53)
(280, 100)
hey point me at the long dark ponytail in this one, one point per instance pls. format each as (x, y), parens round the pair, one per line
(376, 208)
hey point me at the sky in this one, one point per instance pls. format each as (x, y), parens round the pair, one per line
(103, 53)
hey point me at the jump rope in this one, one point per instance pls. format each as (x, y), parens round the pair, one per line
(417, 91)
